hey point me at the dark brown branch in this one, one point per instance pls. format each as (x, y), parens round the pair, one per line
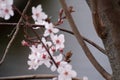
(37, 76)
(15, 33)
(78, 36)
(97, 21)
(64, 30)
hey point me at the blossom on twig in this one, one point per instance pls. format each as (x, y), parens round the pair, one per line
(65, 71)
(6, 9)
(50, 29)
(38, 14)
(58, 40)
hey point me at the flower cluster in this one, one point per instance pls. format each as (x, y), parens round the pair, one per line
(6, 9)
(51, 43)
(43, 52)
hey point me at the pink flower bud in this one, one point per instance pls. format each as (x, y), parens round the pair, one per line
(24, 43)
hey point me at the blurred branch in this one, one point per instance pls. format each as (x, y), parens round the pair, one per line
(36, 76)
(15, 33)
(64, 30)
(87, 40)
(97, 22)
(78, 36)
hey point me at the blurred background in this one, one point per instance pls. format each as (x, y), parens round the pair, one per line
(16, 60)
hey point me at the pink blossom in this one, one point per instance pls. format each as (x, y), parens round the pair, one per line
(85, 78)
(38, 14)
(58, 41)
(6, 9)
(46, 43)
(45, 59)
(38, 57)
(57, 59)
(24, 43)
(50, 29)
(52, 50)
(66, 72)
(32, 64)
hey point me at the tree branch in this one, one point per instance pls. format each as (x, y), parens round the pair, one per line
(15, 33)
(87, 40)
(64, 30)
(36, 76)
(78, 36)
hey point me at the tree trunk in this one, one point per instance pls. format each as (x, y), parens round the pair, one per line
(109, 13)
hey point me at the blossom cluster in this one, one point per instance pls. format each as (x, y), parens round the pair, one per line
(6, 9)
(52, 42)
(43, 53)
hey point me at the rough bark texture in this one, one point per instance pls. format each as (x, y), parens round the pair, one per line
(109, 12)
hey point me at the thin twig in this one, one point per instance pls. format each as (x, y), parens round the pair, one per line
(78, 36)
(64, 30)
(36, 76)
(87, 40)
(14, 35)
(12, 32)
(95, 45)
(10, 24)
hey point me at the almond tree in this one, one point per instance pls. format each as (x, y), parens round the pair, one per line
(106, 24)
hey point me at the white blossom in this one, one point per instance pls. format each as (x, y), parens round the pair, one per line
(66, 72)
(46, 43)
(38, 57)
(58, 40)
(45, 59)
(6, 9)
(6, 2)
(57, 59)
(34, 57)
(33, 64)
(8, 12)
(50, 29)
(37, 49)
(85, 78)
(38, 14)
(52, 50)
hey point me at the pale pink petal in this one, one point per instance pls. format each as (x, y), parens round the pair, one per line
(55, 30)
(11, 12)
(60, 77)
(47, 63)
(39, 8)
(33, 10)
(73, 73)
(53, 68)
(85, 78)
(46, 33)
(7, 16)
(9, 2)
(61, 36)
(59, 57)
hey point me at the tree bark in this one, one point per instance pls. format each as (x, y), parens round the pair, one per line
(109, 13)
